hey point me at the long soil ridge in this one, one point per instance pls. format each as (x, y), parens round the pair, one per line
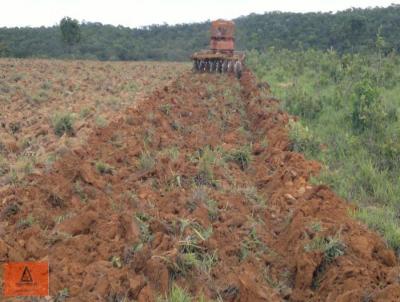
(196, 186)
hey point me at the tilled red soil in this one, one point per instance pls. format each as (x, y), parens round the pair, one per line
(196, 186)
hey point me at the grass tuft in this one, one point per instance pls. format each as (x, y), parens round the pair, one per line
(63, 123)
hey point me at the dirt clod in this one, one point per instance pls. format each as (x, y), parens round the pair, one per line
(185, 214)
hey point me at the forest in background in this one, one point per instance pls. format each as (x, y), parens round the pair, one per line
(353, 30)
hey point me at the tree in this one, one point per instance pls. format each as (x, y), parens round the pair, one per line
(70, 30)
(3, 50)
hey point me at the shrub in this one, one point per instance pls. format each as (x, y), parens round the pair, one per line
(104, 168)
(302, 103)
(302, 139)
(242, 157)
(207, 159)
(101, 121)
(63, 123)
(146, 161)
(4, 166)
(368, 112)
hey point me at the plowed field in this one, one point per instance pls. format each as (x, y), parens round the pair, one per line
(34, 94)
(196, 187)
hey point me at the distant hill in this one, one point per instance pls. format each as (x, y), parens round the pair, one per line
(353, 30)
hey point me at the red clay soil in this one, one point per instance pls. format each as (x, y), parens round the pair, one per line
(180, 201)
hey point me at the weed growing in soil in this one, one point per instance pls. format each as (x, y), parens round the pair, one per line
(62, 295)
(146, 161)
(15, 127)
(132, 197)
(62, 218)
(316, 226)
(4, 166)
(192, 255)
(177, 294)
(331, 247)
(166, 108)
(12, 177)
(79, 190)
(251, 194)
(213, 211)
(26, 223)
(63, 123)
(270, 280)
(101, 121)
(172, 152)
(24, 165)
(85, 112)
(199, 196)
(104, 168)
(145, 232)
(9, 210)
(176, 126)
(206, 159)
(264, 143)
(251, 244)
(242, 157)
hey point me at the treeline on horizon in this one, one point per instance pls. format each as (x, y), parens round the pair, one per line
(353, 30)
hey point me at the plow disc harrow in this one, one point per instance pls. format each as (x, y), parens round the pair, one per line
(218, 66)
(221, 57)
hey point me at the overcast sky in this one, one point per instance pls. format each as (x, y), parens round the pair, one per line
(136, 13)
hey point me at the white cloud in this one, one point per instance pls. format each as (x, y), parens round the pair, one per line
(136, 13)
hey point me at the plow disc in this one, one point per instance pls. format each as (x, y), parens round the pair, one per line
(218, 66)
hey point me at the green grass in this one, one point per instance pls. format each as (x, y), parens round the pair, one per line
(178, 294)
(146, 161)
(143, 221)
(101, 121)
(383, 220)
(63, 123)
(331, 247)
(104, 168)
(242, 157)
(349, 121)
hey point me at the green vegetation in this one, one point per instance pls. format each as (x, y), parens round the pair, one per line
(206, 159)
(143, 221)
(101, 121)
(104, 168)
(63, 123)
(178, 294)
(348, 120)
(331, 247)
(242, 157)
(146, 161)
(62, 295)
(353, 30)
(252, 245)
(192, 255)
(70, 31)
(26, 223)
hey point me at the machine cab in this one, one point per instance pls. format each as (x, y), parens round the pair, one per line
(222, 36)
